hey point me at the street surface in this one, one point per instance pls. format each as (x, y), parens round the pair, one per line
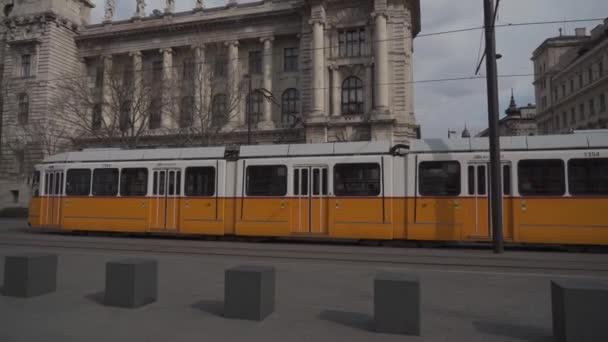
(324, 291)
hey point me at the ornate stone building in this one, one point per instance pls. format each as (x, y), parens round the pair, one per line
(273, 71)
(517, 121)
(571, 81)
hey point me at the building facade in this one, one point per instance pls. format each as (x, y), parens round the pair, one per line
(571, 81)
(517, 121)
(273, 71)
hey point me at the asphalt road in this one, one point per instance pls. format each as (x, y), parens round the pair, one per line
(324, 291)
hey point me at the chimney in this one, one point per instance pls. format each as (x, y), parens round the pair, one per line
(580, 32)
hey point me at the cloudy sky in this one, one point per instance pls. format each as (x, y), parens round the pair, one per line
(450, 105)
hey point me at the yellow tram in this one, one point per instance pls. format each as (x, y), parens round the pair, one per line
(555, 190)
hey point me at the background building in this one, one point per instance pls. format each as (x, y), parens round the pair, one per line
(518, 121)
(273, 71)
(571, 81)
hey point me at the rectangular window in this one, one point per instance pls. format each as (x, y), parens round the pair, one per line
(571, 85)
(24, 109)
(565, 118)
(573, 116)
(563, 90)
(255, 62)
(600, 67)
(157, 71)
(200, 181)
(590, 74)
(26, 65)
(134, 182)
(78, 182)
(581, 112)
(602, 103)
(99, 77)
(440, 178)
(357, 179)
(506, 180)
(588, 176)
(267, 180)
(580, 81)
(471, 179)
(542, 177)
(591, 107)
(296, 182)
(481, 180)
(105, 182)
(351, 42)
(220, 65)
(290, 59)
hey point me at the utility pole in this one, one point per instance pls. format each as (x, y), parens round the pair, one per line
(492, 84)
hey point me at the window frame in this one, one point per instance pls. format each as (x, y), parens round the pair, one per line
(213, 182)
(351, 42)
(291, 59)
(95, 170)
(350, 166)
(347, 90)
(121, 183)
(290, 106)
(284, 189)
(419, 182)
(26, 68)
(23, 103)
(255, 62)
(572, 190)
(254, 109)
(561, 193)
(68, 191)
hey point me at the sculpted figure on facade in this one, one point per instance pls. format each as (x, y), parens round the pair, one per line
(140, 10)
(169, 6)
(199, 4)
(110, 10)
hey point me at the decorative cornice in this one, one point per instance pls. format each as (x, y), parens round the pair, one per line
(232, 42)
(316, 21)
(166, 51)
(376, 14)
(264, 39)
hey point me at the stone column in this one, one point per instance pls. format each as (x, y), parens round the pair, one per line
(318, 66)
(168, 103)
(200, 84)
(381, 61)
(267, 122)
(369, 88)
(106, 90)
(234, 95)
(137, 104)
(336, 99)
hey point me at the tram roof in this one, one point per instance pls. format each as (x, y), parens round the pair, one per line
(326, 149)
(518, 143)
(113, 154)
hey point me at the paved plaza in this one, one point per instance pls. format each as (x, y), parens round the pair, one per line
(317, 300)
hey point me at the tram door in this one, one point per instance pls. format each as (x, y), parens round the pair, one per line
(479, 188)
(53, 190)
(166, 191)
(311, 202)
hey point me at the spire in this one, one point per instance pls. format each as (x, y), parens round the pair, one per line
(465, 132)
(512, 110)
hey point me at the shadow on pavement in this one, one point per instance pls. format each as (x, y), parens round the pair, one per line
(350, 319)
(516, 331)
(213, 307)
(97, 297)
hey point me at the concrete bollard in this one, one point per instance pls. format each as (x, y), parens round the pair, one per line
(131, 283)
(30, 275)
(579, 310)
(397, 304)
(249, 292)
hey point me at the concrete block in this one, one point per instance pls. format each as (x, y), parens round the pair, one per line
(249, 292)
(397, 304)
(131, 283)
(579, 310)
(30, 275)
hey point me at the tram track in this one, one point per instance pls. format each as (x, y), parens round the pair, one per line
(395, 258)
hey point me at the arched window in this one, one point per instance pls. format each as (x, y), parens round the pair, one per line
(254, 106)
(219, 110)
(290, 106)
(352, 96)
(186, 117)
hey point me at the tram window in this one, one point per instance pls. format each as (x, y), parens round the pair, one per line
(304, 186)
(471, 175)
(47, 184)
(324, 182)
(315, 182)
(58, 183)
(267, 180)
(200, 181)
(105, 182)
(296, 182)
(36, 184)
(440, 178)
(481, 180)
(588, 176)
(134, 182)
(506, 180)
(78, 182)
(357, 179)
(541, 177)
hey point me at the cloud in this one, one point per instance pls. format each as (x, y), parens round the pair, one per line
(449, 105)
